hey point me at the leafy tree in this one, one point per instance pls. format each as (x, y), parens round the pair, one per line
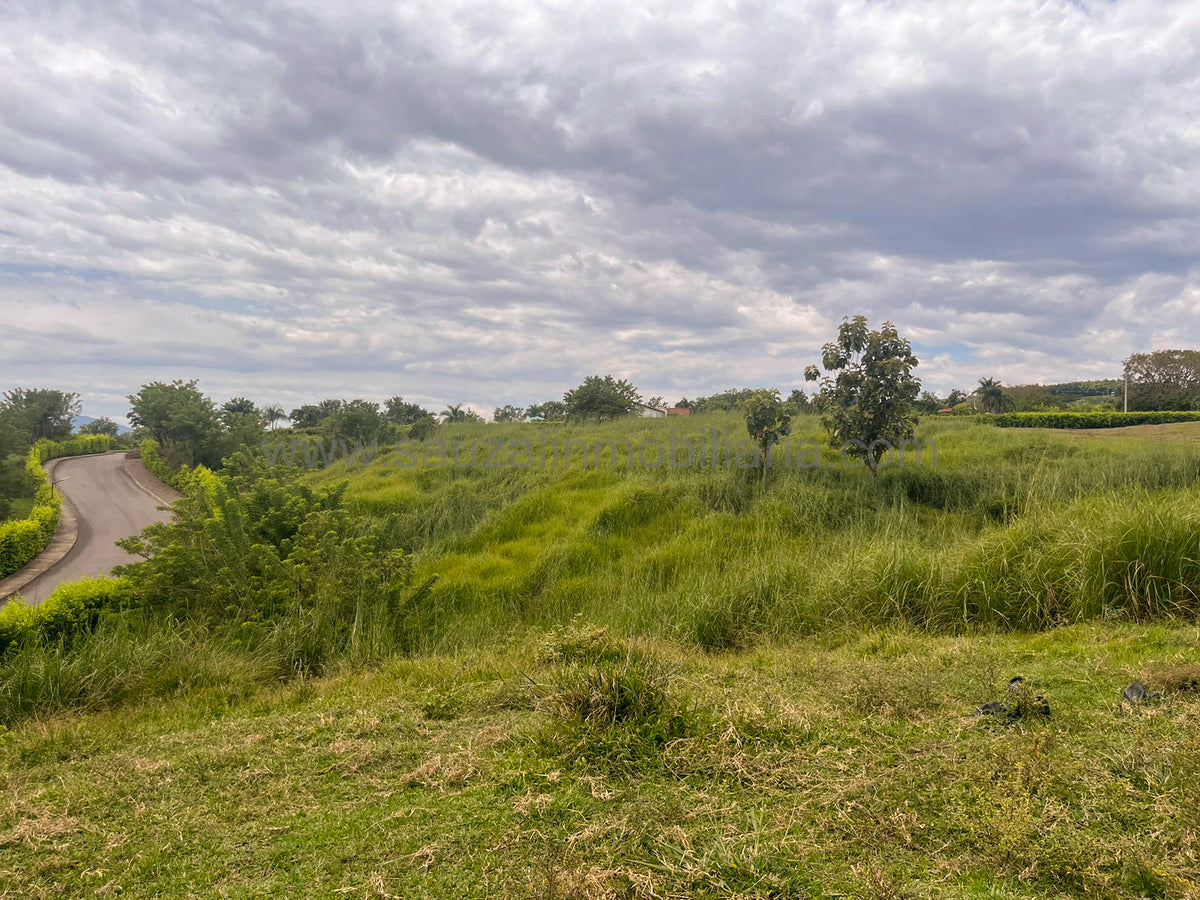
(550, 411)
(684, 403)
(312, 415)
(799, 401)
(732, 399)
(601, 398)
(991, 395)
(928, 403)
(1164, 379)
(509, 413)
(357, 420)
(36, 413)
(238, 406)
(181, 418)
(656, 402)
(101, 425)
(424, 428)
(956, 397)
(306, 416)
(768, 420)
(402, 412)
(868, 390)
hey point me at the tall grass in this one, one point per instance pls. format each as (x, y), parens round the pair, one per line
(1011, 529)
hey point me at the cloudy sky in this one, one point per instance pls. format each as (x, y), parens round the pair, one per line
(482, 203)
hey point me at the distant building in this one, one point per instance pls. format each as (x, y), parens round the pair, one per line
(650, 412)
(679, 411)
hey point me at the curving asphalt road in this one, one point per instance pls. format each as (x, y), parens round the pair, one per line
(108, 505)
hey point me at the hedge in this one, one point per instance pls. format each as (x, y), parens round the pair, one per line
(1090, 419)
(22, 540)
(152, 459)
(72, 609)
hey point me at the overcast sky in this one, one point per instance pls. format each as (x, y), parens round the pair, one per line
(483, 203)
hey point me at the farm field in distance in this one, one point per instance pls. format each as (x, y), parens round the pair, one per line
(655, 682)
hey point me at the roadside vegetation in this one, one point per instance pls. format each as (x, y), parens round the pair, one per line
(584, 653)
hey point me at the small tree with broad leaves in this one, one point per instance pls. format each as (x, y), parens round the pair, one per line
(868, 390)
(768, 420)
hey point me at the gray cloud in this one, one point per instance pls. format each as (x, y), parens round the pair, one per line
(483, 204)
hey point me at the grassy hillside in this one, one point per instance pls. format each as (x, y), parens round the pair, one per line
(1009, 529)
(831, 768)
(618, 681)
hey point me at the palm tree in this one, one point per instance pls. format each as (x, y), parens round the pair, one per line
(991, 395)
(454, 413)
(272, 414)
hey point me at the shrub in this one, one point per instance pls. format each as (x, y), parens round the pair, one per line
(1097, 419)
(71, 610)
(22, 540)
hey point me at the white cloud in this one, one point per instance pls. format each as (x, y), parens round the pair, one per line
(483, 204)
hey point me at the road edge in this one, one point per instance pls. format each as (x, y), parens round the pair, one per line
(129, 469)
(62, 543)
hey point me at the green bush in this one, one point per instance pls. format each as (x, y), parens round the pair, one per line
(1090, 419)
(152, 459)
(72, 609)
(22, 540)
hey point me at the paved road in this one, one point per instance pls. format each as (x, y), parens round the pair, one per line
(108, 506)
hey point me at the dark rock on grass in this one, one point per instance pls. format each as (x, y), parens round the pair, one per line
(1136, 692)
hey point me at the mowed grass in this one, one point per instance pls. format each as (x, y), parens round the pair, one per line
(846, 765)
(1009, 529)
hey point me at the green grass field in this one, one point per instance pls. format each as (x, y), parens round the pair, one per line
(655, 682)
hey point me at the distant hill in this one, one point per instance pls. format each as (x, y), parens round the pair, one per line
(79, 421)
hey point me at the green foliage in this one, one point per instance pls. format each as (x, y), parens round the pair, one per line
(357, 421)
(153, 460)
(36, 414)
(509, 413)
(1164, 380)
(992, 396)
(69, 612)
(724, 401)
(102, 425)
(600, 398)
(423, 428)
(867, 405)
(1097, 419)
(399, 411)
(288, 560)
(768, 420)
(457, 413)
(182, 419)
(550, 411)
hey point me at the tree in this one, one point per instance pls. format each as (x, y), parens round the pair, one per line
(238, 406)
(101, 425)
(928, 403)
(423, 429)
(799, 401)
(768, 420)
(509, 413)
(550, 411)
(402, 412)
(181, 418)
(868, 390)
(656, 402)
(272, 414)
(601, 398)
(1164, 379)
(991, 395)
(732, 399)
(356, 421)
(956, 397)
(36, 413)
